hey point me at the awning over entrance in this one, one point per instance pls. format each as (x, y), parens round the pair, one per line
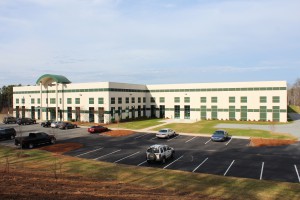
(50, 78)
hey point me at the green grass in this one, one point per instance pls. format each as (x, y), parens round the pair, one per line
(293, 109)
(141, 124)
(204, 185)
(208, 127)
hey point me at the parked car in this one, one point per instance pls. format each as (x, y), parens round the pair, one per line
(46, 123)
(25, 121)
(35, 139)
(165, 133)
(159, 152)
(55, 124)
(220, 135)
(7, 133)
(67, 125)
(97, 129)
(8, 120)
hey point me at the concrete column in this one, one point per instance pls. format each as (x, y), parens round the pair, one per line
(56, 108)
(41, 100)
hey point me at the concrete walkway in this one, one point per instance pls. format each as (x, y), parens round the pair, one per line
(292, 128)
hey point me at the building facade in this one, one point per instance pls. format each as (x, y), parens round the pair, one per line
(55, 97)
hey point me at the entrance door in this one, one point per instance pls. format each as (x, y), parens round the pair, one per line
(77, 114)
(161, 111)
(153, 111)
(32, 112)
(69, 113)
(91, 114)
(187, 112)
(100, 115)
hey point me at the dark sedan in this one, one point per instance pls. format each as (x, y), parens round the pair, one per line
(220, 135)
(67, 125)
(97, 129)
(46, 123)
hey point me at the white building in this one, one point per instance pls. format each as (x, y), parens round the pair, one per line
(55, 97)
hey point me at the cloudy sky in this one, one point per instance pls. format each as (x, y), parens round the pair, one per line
(150, 41)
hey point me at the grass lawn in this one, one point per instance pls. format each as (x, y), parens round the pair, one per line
(141, 124)
(212, 186)
(294, 109)
(208, 127)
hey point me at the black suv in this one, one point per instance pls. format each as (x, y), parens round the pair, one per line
(25, 121)
(7, 120)
(7, 133)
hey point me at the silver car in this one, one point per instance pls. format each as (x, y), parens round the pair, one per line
(165, 133)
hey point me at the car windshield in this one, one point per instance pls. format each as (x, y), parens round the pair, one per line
(153, 150)
(219, 133)
(163, 131)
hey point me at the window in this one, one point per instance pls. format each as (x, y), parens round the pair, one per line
(263, 99)
(17, 101)
(276, 99)
(38, 100)
(52, 100)
(177, 99)
(243, 99)
(100, 100)
(214, 99)
(23, 100)
(91, 100)
(32, 100)
(186, 99)
(144, 99)
(162, 99)
(69, 101)
(77, 100)
(59, 100)
(152, 99)
(203, 99)
(119, 100)
(132, 100)
(139, 100)
(127, 99)
(231, 99)
(113, 100)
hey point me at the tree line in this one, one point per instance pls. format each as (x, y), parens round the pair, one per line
(294, 93)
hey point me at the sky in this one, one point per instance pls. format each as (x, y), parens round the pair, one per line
(150, 41)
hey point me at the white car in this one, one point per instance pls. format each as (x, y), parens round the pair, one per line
(159, 152)
(165, 133)
(55, 124)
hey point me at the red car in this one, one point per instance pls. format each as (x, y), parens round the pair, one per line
(97, 129)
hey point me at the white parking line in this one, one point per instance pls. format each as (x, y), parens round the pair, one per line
(127, 156)
(190, 139)
(173, 162)
(208, 141)
(142, 163)
(173, 138)
(297, 173)
(141, 136)
(262, 169)
(229, 141)
(89, 152)
(107, 154)
(200, 164)
(229, 167)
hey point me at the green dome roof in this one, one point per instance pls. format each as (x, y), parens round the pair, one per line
(49, 78)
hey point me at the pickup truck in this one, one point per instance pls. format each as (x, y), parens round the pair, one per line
(35, 139)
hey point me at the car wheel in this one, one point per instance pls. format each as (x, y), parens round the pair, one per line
(148, 161)
(53, 141)
(12, 137)
(163, 160)
(30, 146)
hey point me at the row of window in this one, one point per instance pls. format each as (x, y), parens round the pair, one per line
(263, 99)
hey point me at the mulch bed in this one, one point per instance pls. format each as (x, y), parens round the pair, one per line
(62, 148)
(259, 142)
(118, 133)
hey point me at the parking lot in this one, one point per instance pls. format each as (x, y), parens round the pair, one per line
(195, 154)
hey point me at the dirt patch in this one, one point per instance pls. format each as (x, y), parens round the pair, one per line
(40, 185)
(118, 133)
(62, 148)
(259, 142)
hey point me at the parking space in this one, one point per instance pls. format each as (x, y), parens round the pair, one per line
(195, 154)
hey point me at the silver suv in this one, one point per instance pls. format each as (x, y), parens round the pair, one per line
(159, 152)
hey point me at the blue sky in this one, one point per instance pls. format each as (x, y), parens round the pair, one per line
(150, 41)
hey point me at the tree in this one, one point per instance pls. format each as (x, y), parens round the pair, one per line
(6, 97)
